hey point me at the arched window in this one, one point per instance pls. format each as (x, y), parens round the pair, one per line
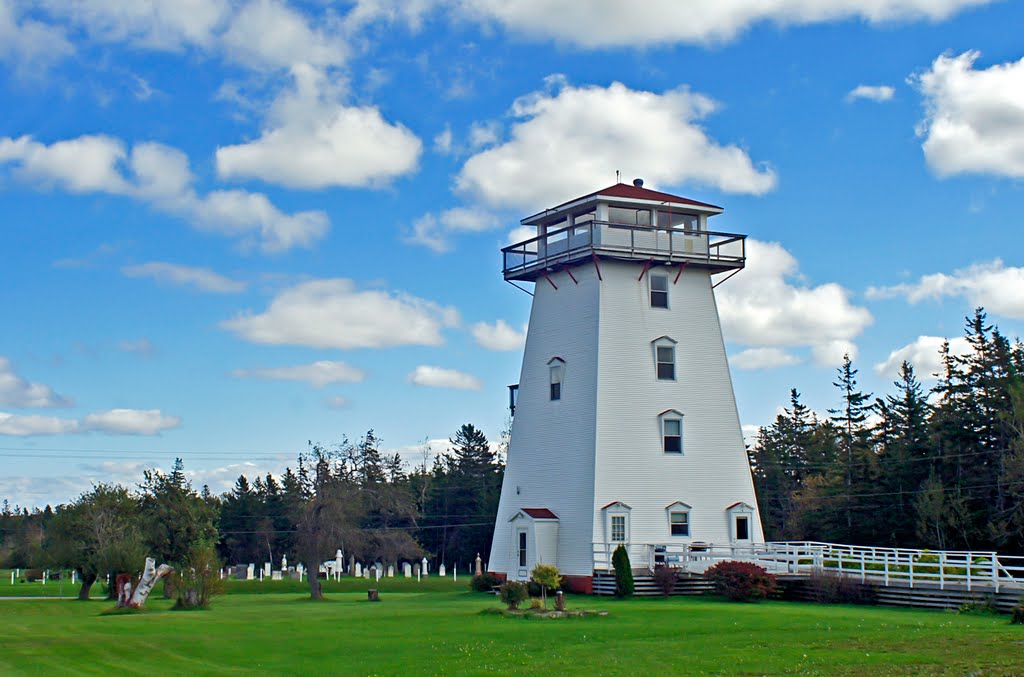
(671, 422)
(556, 372)
(664, 358)
(678, 515)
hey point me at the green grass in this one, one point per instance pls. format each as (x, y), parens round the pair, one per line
(446, 633)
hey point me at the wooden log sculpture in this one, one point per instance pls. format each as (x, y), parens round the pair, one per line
(150, 575)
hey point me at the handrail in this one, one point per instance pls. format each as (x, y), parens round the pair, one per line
(546, 249)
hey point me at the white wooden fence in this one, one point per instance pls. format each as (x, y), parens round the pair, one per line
(887, 566)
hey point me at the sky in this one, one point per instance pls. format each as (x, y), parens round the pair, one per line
(232, 228)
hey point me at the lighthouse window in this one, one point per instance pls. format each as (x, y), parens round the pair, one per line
(659, 291)
(618, 528)
(666, 362)
(672, 435)
(679, 523)
(557, 369)
(629, 217)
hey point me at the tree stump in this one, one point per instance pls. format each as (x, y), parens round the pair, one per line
(372, 595)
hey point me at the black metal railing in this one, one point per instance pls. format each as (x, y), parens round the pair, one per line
(725, 250)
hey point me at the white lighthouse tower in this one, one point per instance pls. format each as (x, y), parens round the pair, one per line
(625, 428)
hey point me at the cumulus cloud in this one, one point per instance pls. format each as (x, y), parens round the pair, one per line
(130, 422)
(177, 274)
(443, 141)
(832, 353)
(15, 391)
(923, 355)
(159, 175)
(114, 421)
(618, 24)
(767, 305)
(974, 118)
(270, 34)
(994, 285)
(29, 45)
(318, 374)
(435, 231)
(312, 140)
(567, 140)
(877, 93)
(332, 313)
(763, 358)
(499, 336)
(438, 377)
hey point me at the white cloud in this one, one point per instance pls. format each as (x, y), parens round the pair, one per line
(763, 358)
(114, 421)
(28, 44)
(311, 140)
(923, 355)
(767, 305)
(142, 346)
(521, 234)
(997, 287)
(337, 402)
(434, 231)
(15, 391)
(484, 134)
(130, 422)
(877, 93)
(332, 313)
(177, 274)
(318, 374)
(832, 353)
(25, 426)
(443, 142)
(438, 377)
(974, 119)
(608, 23)
(499, 336)
(167, 25)
(566, 142)
(159, 176)
(270, 34)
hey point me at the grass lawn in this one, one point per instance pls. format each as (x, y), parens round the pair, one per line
(443, 632)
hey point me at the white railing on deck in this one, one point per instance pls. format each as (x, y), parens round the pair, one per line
(901, 566)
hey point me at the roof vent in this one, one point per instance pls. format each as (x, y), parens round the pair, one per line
(639, 183)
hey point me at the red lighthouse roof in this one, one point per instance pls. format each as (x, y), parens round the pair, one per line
(624, 192)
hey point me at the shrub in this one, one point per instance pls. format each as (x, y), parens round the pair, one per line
(831, 588)
(1017, 614)
(741, 581)
(536, 604)
(198, 580)
(623, 572)
(546, 576)
(665, 577)
(512, 593)
(484, 583)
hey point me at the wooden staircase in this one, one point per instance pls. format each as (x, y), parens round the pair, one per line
(644, 585)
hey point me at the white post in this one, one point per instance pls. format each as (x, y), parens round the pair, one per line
(419, 573)
(942, 570)
(44, 576)
(455, 572)
(969, 563)
(12, 578)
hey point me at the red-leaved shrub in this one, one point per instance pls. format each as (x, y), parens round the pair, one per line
(741, 581)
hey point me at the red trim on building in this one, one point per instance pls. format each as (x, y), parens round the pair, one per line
(631, 192)
(540, 513)
(580, 584)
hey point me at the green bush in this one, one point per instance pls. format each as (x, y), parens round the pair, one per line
(623, 572)
(1017, 614)
(512, 593)
(547, 577)
(484, 583)
(741, 581)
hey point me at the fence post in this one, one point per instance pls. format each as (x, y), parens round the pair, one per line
(942, 570)
(910, 563)
(886, 569)
(970, 563)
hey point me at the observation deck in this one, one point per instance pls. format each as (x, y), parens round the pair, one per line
(557, 249)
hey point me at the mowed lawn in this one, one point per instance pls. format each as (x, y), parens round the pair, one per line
(443, 632)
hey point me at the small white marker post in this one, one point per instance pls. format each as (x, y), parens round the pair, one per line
(12, 578)
(455, 572)
(44, 576)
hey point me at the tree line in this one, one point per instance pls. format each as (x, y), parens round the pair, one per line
(350, 496)
(939, 468)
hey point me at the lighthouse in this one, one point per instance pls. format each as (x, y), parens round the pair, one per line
(625, 429)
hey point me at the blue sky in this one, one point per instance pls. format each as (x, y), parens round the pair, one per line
(232, 227)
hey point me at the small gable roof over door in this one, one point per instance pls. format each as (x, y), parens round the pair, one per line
(536, 513)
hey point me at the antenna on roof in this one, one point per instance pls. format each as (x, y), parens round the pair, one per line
(618, 178)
